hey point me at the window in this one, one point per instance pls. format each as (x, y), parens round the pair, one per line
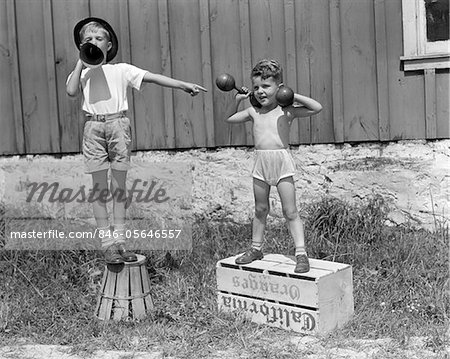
(426, 40)
(436, 14)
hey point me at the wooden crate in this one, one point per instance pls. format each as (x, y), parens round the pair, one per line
(268, 292)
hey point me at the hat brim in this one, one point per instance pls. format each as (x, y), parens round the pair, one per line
(113, 38)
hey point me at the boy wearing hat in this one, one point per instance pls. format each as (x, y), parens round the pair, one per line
(107, 131)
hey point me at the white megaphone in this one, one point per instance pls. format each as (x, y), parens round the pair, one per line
(91, 55)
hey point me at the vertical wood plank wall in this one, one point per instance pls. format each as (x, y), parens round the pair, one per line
(344, 53)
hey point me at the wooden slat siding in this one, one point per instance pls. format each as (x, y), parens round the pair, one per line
(12, 135)
(7, 135)
(336, 70)
(33, 76)
(207, 80)
(149, 41)
(123, 33)
(382, 72)
(17, 97)
(246, 59)
(321, 124)
(225, 53)
(238, 133)
(401, 107)
(267, 30)
(51, 76)
(406, 91)
(186, 65)
(359, 72)
(430, 103)
(109, 11)
(290, 71)
(166, 63)
(303, 41)
(442, 104)
(66, 55)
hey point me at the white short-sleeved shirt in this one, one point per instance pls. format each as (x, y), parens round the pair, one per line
(105, 87)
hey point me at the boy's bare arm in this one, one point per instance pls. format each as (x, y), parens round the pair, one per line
(308, 106)
(165, 81)
(231, 114)
(73, 84)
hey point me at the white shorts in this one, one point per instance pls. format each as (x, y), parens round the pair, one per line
(273, 165)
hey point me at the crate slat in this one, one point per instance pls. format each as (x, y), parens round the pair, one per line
(110, 287)
(100, 303)
(283, 289)
(137, 287)
(122, 291)
(270, 313)
(146, 285)
(285, 265)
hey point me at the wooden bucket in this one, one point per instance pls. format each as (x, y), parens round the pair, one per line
(125, 292)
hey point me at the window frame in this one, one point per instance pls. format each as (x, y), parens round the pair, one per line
(418, 53)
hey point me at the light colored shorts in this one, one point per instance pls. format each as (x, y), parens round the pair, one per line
(273, 165)
(107, 143)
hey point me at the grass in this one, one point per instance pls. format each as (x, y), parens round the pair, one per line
(401, 288)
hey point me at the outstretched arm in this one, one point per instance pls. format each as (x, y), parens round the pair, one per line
(165, 81)
(305, 106)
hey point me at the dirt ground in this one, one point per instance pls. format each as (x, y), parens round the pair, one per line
(308, 348)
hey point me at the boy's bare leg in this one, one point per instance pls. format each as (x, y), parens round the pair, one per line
(261, 192)
(118, 188)
(100, 182)
(286, 189)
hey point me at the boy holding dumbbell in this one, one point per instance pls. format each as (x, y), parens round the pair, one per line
(274, 165)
